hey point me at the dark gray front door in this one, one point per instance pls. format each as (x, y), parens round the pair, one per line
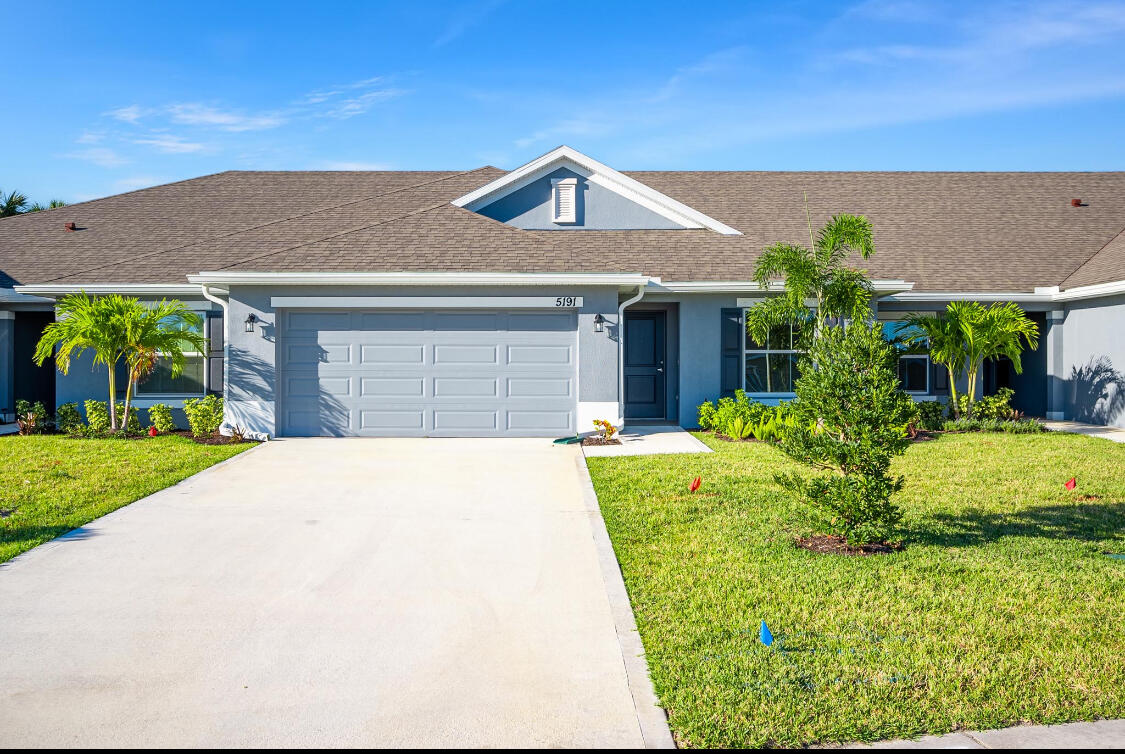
(645, 367)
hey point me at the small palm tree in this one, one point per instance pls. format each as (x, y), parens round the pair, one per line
(941, 336)
(38, 207)
(13, 203)
(119, 329)
(817, 274)
(969, 333)
(165, 330)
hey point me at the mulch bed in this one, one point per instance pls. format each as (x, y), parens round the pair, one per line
(830, 544)
(600, 441)
(213, 440)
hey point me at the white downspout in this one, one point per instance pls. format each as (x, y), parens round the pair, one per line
(621, 351)
(206, 290)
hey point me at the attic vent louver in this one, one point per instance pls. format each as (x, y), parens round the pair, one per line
(564, 196)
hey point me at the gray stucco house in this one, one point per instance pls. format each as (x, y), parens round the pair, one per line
(530, 302)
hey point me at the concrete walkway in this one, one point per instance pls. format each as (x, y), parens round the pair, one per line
(1104, 734)
(650, 439)
(315, 593)
(1093, 430)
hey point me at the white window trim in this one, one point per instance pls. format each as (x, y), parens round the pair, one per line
(745, 350)
(202, 314)
(558, 185)
(929, 368)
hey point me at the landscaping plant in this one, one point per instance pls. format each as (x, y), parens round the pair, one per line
(204, 415)
(97, 417)
(120, 329)
(31, 417)
(966, 334)
(68, 419)
(160, 415)
(851, 421)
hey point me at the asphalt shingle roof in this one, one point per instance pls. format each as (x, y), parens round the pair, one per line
(942, 231)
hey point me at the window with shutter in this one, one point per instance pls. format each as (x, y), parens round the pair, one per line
(564, 200)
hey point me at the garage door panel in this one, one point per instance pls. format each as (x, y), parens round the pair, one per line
(455, 355)
(411, 387)
(413, 355)
(518, 355)
(421, 373)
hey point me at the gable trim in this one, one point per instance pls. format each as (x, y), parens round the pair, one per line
(595, 172)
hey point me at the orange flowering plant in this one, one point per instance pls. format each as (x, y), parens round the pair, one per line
(606, 428)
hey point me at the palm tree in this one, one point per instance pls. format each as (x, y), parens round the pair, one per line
(817, 274)
(119, 329)
(165, 330)
(38, 207)
(941, 336)
(12, 204)
(969, 333)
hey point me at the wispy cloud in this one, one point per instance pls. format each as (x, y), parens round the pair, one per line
(199, 114)
(463, 19)
(100, 156)
(171, 144)
(129, 114)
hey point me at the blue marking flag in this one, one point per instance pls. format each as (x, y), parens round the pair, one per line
(764, 634)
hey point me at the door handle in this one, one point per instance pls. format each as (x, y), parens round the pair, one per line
(660, 369)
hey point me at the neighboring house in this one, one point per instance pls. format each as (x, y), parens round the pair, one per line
(531, 302)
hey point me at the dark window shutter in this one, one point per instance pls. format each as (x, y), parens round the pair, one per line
(731, 352)
(215, 352)
(939, 379)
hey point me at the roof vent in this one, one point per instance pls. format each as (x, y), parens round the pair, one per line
(1075, 202)
(564, 200)
(70, 227)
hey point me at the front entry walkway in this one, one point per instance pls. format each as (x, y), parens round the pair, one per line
(330, 593)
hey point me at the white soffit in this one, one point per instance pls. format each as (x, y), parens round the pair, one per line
(595, 172)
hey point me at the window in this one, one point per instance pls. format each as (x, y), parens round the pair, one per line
(913, 368)
(190, 382)
(771, 367)
(564, 204)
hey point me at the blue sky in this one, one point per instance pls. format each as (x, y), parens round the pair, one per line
(108, 97)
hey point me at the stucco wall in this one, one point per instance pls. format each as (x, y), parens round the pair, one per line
(252, 364)
(597, 207)
(1092, 377)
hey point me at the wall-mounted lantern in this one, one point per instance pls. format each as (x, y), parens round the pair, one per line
(251, 318)
(599, 323)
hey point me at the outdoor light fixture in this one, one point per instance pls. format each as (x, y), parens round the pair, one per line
(599, 323)
(251, 318)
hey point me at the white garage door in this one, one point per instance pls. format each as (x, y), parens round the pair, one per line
(427, 373)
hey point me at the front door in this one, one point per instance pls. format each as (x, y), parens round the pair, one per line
(645, 367)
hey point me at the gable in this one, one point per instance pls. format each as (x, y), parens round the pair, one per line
(596, 207)
(606, 199)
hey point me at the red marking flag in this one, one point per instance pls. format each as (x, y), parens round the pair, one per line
(1071, 483)
(695, 483)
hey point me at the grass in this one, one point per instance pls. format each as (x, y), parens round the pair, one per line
(50, 484)
(1001, 610)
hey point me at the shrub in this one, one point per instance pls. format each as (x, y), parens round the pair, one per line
(606, 428)
(160, 415)
(31, 417)
(134, 426)
(1021, 426)
(706, 415)
(97, 417)
(204, 415)
(850, 421)
(68, 419)
(931, 415)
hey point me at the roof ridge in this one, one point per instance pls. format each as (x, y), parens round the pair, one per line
(228, 234)
(1092, 257)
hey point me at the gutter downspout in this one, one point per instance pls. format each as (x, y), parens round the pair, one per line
(621, 350)
(205, 289)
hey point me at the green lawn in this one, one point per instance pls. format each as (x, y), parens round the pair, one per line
(1002, 609)
(50, 484)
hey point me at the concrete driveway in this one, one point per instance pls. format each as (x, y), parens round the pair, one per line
(332, 593)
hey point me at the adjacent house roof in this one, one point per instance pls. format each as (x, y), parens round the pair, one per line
(1004, 232)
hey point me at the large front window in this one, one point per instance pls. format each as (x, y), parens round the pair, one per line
(191, 382)
(771, 367)
(913, 368)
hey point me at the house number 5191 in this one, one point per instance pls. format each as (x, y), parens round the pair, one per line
(566, 301)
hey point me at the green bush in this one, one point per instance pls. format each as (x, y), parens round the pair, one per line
(706, 413)
(97, 417)
(931, 415)
(850, 421)
(204, 415)
(160, 415)
(998, 406)
(134, 426)
(1019, 427)
(68, 419)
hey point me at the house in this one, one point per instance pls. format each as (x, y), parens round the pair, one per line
(530, 302)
